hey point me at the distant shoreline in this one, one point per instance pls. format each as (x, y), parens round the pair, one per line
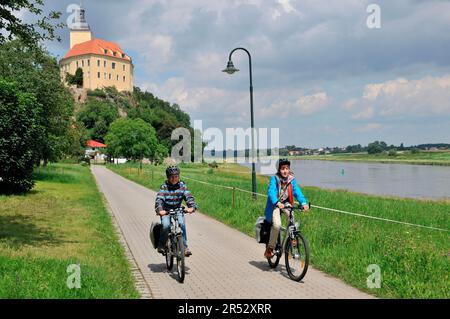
(368, 159)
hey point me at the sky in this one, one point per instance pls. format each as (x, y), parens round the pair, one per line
(320, 74)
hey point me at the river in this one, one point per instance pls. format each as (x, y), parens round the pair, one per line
(402, 180)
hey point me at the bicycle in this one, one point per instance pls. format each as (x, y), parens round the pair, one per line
(174, 244)
(295, 247)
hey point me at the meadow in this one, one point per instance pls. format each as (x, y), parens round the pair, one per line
(61, 222)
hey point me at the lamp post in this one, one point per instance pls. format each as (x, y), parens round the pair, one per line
(230, 69)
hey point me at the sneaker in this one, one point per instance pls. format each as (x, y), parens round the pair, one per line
(268, 253)
(161, 250)
(187, 252)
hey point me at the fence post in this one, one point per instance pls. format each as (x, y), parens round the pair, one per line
(234, 193)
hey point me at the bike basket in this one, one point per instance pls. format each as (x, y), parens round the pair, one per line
(262, 230)
(155, 231)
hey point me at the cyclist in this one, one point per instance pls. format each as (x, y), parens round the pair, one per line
(282, 190)
(170, 196)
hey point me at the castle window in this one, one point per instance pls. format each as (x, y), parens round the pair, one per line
(124, 67)
(106, 51)
(89, 62)
(98, 63)
(124, 78)
(82, 63)
(104, 63)
(77, 64)
(123, 55)
(114, 65)
(104, 75)
(98, 75)
(110, 76)
(114, 53)
(117, 79)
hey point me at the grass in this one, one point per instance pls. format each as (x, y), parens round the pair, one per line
(62, 221)
(414, 262)
(421, 158)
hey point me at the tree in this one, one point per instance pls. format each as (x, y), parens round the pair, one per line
(97, 116)
(11, 26)
(37, 73)
(131, 138)
(375, 147)
(76, 79)
(76, 140)
(19, 131)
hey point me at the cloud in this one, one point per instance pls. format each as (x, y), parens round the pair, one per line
(426, 96)
(365, 114)
(300, 105)
(368, 127)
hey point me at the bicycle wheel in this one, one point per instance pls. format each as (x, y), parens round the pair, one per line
(297, 257)
(275, 260)
(169, 255)
(180, 259)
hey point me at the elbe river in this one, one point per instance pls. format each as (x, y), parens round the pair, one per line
(401, 180)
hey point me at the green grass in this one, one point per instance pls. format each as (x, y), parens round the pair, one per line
(421, 158)
(414, 262)
(62, 221)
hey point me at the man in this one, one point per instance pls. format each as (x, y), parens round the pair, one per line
(170, 196)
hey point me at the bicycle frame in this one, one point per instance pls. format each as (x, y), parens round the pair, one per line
(175, 229)
(289, 231)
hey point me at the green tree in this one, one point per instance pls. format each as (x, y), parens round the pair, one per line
(76, 140)
(76, 79)
(37, 73)
(11, 26)
(376, 147)
(19, 131)
(133, 139)
(97, 116)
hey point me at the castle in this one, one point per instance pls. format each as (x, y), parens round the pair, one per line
(103, 62)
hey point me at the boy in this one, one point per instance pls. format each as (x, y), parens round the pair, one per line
(170, 196)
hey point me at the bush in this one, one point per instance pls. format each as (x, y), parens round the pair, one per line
(19, 131)
(76, 79)
(392, 152)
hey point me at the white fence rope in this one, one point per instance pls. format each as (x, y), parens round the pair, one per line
(326, 208)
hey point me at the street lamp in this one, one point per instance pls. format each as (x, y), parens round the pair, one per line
(230, 69)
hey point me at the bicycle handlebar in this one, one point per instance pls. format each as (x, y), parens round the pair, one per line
(174, 211)
(299, 207)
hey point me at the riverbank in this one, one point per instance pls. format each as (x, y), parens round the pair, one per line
(62, 221)
(413, 261)
(441, 158)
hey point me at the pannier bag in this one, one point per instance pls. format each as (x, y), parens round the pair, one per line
(155, 231)
(262, 230)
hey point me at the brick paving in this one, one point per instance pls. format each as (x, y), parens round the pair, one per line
(225, 262)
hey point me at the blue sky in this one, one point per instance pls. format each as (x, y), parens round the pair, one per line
(320, 74)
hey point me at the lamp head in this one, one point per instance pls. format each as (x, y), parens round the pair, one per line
(230, 69)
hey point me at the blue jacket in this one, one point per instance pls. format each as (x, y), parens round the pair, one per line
(272, 195)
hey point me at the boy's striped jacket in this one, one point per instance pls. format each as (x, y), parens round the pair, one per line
(172, 196)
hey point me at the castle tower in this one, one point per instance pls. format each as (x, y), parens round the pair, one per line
(80, 31)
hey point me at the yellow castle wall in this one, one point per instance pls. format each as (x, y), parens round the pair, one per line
(98, 71)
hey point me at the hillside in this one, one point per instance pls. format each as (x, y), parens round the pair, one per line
(97, 109)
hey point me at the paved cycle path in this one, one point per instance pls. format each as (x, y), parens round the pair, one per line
(225, 262)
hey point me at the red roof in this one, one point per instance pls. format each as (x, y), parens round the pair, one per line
(92, 143)
(97, 46)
